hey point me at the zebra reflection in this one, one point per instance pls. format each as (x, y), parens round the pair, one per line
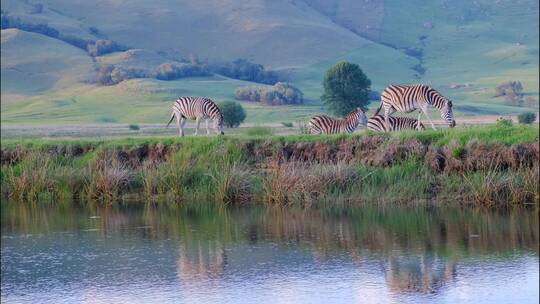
(424, 274)
(201, 261)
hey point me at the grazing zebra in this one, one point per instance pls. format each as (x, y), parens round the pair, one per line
(377, 123)
(407, 98)
(196, 108)
(328, 125)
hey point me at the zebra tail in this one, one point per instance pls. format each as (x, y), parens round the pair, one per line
(172, 117)
(378, 109)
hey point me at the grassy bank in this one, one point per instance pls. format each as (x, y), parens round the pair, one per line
(491, 165)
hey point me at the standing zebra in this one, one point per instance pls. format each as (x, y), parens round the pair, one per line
(407, 98)
(328, 125)
(196, 108)
(377, 123)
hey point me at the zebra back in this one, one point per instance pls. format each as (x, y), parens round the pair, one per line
(328, 125)
(197, 107)
(377, 124)
(407, 98)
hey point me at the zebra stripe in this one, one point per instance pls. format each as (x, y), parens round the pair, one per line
(328, 125)
(196, 108)
(407, 98)
(377, 124)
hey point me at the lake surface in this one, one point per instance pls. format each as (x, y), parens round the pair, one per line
(59, 254)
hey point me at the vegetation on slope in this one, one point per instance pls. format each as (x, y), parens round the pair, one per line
(495, 165)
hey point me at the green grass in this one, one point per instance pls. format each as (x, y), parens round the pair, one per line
(250, 167)
(490, 134)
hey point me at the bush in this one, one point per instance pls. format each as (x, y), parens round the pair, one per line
(526, 118)
(7, 21)
(511, 90)
(244, 70)
(346, 87)
(233, 113)
(170, 71)
(503, 122)
(101, 47)
(111, 75)
(278, 94)
(76, 41)
(287, 124)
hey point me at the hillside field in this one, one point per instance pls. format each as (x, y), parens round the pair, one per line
(462, 48)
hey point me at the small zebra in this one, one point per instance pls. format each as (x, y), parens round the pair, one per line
(377, 124)
(328, 125)
(407, 98)
(196, 108)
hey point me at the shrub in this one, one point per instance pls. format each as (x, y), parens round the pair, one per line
(111, 75)
(93, 30)
(233, 113)
(76, 41)
(345, 87)
(503, 122)
(526, 118)
(170, 71)
(134, 127)
(511, 90)
(8, 21)
(287, 124)
(244, 70)
(278, 94)
(102, 46)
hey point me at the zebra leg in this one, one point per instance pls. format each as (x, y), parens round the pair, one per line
(181, 125)
(419, 115)
(207, 126)
(197, 125)
(180, 133)
(387, 125)
(429, 118)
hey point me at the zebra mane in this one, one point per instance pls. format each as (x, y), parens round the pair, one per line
(437, 100)
(352, 114)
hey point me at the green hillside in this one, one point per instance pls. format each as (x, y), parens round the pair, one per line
(464, 49)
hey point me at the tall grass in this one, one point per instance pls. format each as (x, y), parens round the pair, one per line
(105, 180)
(230, 170)
(30, 180)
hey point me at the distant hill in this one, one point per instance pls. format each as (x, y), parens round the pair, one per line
(463, 48)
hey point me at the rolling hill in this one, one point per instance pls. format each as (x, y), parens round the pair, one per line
(463, 48)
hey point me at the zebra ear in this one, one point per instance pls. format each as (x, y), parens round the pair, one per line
(449, 103)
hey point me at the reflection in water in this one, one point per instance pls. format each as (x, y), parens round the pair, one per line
(203, 253)
(201, 261)
(425, 274)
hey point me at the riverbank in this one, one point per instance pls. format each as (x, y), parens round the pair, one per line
(493, 165)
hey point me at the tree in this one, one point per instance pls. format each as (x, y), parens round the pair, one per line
(233, 113)
(345, 87)
(526, 118)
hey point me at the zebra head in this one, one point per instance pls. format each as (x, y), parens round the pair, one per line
(361, 116)
(447, 114)
(419, 126)
(218, 123)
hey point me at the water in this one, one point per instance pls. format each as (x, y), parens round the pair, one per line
(54, 254)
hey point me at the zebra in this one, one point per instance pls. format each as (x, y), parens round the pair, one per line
(377, 123)
(328, 125)
(196, 108)
(407, 98)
